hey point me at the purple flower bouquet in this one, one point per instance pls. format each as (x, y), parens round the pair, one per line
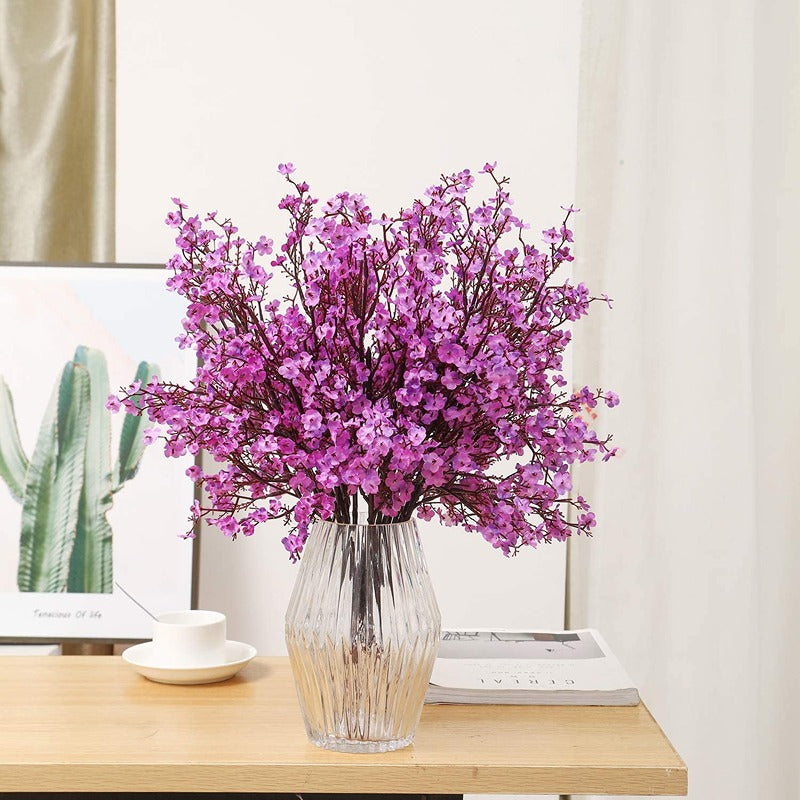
(415, 368)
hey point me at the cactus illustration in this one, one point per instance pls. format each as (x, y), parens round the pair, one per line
(67, 487)
(53, 486)
(13, 461)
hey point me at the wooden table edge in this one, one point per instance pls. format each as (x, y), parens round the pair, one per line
(232, 777)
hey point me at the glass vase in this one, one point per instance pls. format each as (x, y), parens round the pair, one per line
(362, 629)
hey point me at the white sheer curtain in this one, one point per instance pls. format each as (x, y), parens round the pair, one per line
(689, 183)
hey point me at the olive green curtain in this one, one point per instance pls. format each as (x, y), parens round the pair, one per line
(57, 72)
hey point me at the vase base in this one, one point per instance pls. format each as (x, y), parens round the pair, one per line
(359, 745)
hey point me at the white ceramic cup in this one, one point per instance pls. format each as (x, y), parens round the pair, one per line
(189, 639)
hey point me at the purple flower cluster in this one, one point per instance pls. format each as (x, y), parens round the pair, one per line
(415, 367)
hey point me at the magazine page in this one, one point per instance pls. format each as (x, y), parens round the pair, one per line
(503, 660)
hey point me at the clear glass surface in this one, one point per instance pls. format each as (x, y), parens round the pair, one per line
(362, 629)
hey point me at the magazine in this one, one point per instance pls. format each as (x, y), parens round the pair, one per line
(529, 668)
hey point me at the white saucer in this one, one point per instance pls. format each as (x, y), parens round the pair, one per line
(140, 657)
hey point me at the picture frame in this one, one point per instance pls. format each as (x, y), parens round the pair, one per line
(93, 523)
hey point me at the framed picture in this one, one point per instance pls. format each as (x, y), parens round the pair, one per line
(91, 519)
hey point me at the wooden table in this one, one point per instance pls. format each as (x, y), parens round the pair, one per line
(90, 724)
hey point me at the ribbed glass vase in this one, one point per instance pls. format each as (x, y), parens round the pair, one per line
(362, 630)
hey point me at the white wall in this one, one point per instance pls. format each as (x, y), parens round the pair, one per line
(369, 96)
